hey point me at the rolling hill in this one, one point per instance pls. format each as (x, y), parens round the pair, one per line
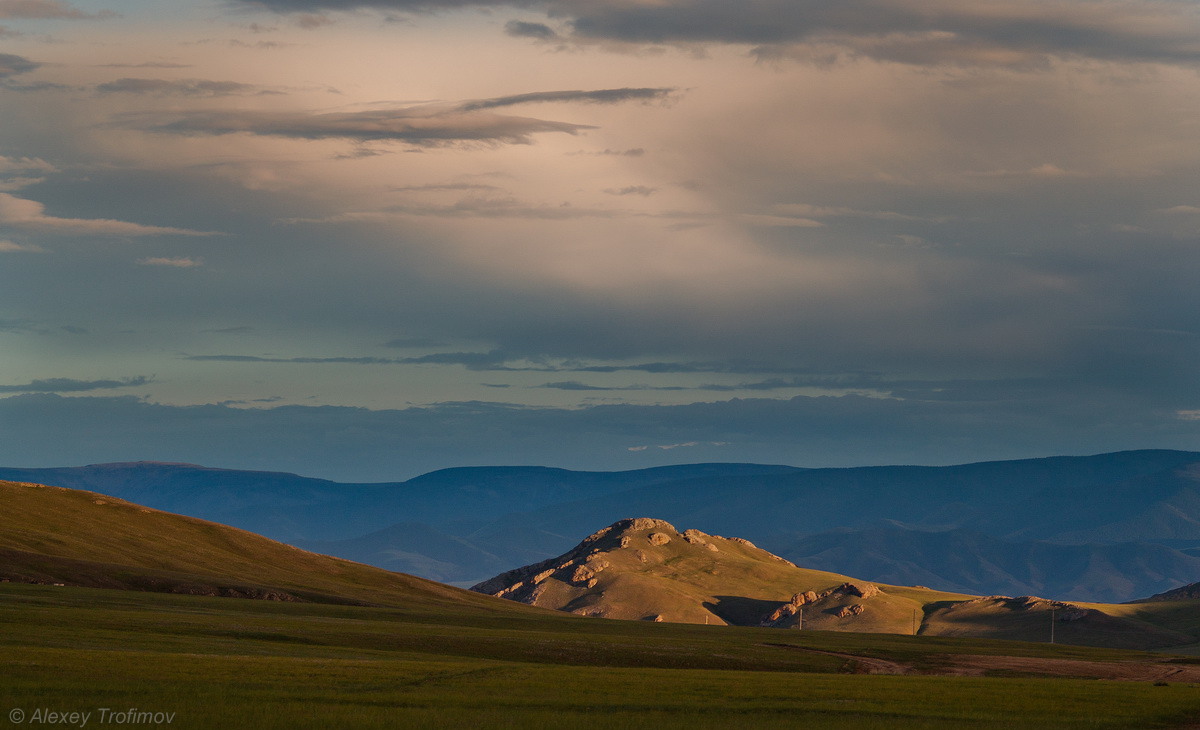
(1110, 527)
(58, 536)
(642, 569)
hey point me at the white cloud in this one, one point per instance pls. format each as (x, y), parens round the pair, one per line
(30, 215)
(25, 164)
(178, 262)
(10, 247)
(684, 445)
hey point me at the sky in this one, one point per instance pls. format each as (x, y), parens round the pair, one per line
(363, 240)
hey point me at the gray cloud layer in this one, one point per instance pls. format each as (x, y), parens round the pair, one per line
(182, 87)
(70, 385)
(396, 125)
(1008, 32)
(359, 444)
(12, 65)
(427, 124)
(600, 96)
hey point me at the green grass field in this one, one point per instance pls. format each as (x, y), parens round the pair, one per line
(138, 625)
(226, 662)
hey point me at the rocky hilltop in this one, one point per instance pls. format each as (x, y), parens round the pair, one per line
(646, 569)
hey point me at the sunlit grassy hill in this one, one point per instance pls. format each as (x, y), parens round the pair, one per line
(53, 535)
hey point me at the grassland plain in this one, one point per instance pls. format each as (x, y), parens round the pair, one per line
(224, 662)
(361, 647)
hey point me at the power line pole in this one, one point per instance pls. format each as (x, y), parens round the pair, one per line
(1052, 624)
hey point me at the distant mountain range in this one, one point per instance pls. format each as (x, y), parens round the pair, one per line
(635, 569)
(1111, 527)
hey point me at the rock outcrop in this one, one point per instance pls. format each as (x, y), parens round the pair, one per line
(830, 600)
(643, 568)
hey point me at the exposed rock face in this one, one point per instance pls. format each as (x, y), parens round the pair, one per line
(783, 615)
(865, 590)
(581, 566)
(617, 572)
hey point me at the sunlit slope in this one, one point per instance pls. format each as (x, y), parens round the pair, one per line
(645, 569)
(55, 535)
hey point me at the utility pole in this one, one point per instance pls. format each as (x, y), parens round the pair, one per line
(800, 623)
(1051, 624)
(914, 622)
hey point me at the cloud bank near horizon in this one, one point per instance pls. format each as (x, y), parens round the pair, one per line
(356, 444)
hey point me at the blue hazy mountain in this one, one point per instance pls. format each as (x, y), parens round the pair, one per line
(973, 562)
(1105, 527)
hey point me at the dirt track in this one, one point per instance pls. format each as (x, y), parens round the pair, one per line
(978, 665)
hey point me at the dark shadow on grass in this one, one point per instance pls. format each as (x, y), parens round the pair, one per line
(742, 611)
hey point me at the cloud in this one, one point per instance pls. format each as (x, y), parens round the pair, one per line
(13, 65)
(10, 247)
(47, 10)
(238, 330)
(685, 445)
(522, 29)
(438, 187)
(24, 164)
(473, 360)
(573, 385)
(30, 215)
(633, 152)
(298, 360)
(145, 64)
(506, 207)
(69, 385)
(600, 96)
(182, 87)
(642, 190)
(178, 262)
(1019, 33)
(422, 127)
(357, 444)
